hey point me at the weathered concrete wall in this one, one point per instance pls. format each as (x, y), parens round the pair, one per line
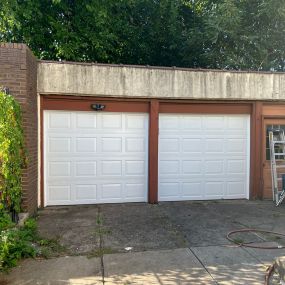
(141, 82)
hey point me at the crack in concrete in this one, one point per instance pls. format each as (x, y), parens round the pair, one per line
(101, 245)
(202, 264)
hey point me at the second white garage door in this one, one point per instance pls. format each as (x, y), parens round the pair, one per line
(95, 157)
(203, 157)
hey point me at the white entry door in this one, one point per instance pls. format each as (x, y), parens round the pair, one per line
(95, 157)
(203, 157)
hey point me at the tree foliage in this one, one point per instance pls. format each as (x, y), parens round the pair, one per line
(225, 34)
(12, 153)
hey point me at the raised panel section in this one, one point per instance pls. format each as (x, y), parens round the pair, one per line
(169, 123)
(59, 144)
(214, 123)
(192, 167)
(58, 193)
(135, 167)
(135, 145)
(169, 167)
(169, 145)
(235, 188)
(214, 145)
(236, 166)
(59, 169)
(85, 121)
(192, 123)
(169, 189)
(236, 123)
(111, 191)
(86, 192)
(192, 190)
(111, 167)
(112, 121)
(135, 190)
(136, 122)
(60, 120)
(214, 167)
(111, 144)
(192, 145)
(85, 168)
(85, 144)
(214, 189)
(236, 145)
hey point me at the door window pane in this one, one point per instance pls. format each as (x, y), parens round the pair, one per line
(269, 128)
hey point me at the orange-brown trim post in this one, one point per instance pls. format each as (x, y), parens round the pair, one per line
(42, 152)
(153, 152)
(256, 151)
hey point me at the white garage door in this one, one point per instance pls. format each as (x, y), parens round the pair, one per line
(203, 157)
(95, 157)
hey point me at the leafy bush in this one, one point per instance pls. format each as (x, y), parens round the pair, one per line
(16, 243)
(12, 153)
(22, 242)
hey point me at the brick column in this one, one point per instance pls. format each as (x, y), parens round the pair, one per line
(18, 72)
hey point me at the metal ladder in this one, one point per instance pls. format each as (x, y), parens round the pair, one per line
(277, 149)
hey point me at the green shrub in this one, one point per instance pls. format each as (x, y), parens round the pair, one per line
(12, 153)
(22, 242)
(16, 243)
(5, 221)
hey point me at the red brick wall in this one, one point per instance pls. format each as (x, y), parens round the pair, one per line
(18, 72)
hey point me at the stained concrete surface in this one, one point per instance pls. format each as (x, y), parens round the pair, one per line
(151, 82)
(57, 271)
(176, 266)
(145, 243)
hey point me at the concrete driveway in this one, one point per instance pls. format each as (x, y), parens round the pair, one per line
(169, 243)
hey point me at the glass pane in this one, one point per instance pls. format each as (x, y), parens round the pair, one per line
(278, 148)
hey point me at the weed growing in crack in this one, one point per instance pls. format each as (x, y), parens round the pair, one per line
(100, 232)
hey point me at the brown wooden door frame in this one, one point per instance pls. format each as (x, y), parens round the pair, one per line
(153, 107)
(265, 121)
(274, 120)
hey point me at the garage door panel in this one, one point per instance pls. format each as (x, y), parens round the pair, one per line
(59, 192)
(112, 121)
(192, 167)
(214, 145)
(214, 189)
(215, 123)
(167, 145)
(85, 144)
(135, 144)
(86, 192)
(235, 188)
(237, 123)
(111, 191)
(85, 168)
(135, 167)
(215, 167)
(95, 157)
(191, 123)
(59, 169)
(236, 166)
(135, 190)
(236, 146)
(134, 122)
(59, 144)
(59, 120)
(85, 121)
(209, 162)
(192, 190)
